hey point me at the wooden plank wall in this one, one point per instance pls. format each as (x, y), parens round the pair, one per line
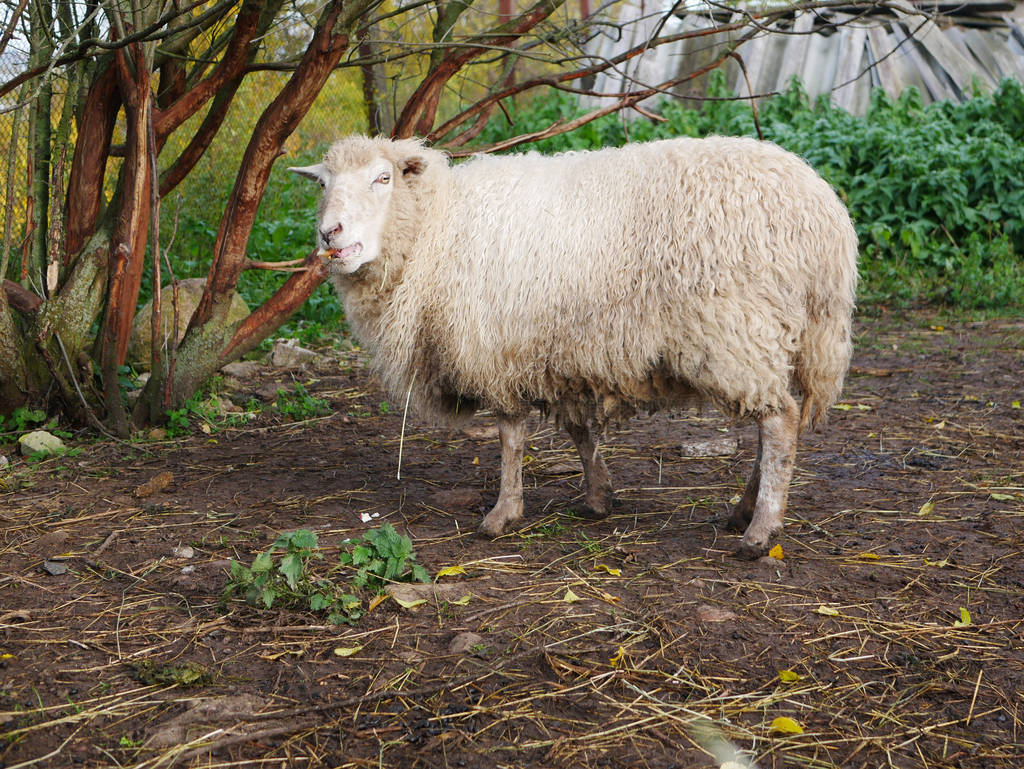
(842, 56)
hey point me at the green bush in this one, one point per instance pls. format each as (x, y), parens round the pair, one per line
(935, 192)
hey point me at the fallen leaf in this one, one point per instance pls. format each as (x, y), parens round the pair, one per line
(451, 571)
(1015, 405)
(937, 564)
(376, 601)
(926, 508)
(828, 611)
(571, 597)
(937, 328)
(476, 460)
(785, 725)
(972, 398)
(1003, 497)
(407, 603)
(869, 556)
(789, 677)
(606, 568)
(461, 601)
(616, 659)
(965, 618)
(941, 425)
(776, 552)
(346, 651)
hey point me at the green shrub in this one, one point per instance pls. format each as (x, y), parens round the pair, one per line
(936, 192)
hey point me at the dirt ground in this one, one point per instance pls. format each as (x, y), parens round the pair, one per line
(891, 631)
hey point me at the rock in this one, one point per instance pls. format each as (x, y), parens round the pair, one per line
(4, 462)
(40, 442)
(268, 392)
(288, 354)
(708, 613)
(157, 434)
(156, 484)
(242, 369)
(233, 711)
(481, 432)
(52, 542)
(456, 499)
(463, 643)
(183, 551)
(716, 447)
(55, 568)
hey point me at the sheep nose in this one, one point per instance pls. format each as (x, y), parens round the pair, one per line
(327, 234)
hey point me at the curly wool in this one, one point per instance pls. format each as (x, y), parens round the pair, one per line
(592, 284)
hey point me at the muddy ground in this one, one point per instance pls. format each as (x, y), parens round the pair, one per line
(891, 631)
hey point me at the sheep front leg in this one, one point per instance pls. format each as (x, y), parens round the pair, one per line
(597, 484)
(775, 470)
(509, 507)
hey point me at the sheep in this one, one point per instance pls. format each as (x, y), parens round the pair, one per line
(595, 284)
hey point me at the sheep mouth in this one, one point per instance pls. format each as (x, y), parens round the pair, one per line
(341, 254)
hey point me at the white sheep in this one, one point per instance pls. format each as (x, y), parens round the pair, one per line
(593, 284)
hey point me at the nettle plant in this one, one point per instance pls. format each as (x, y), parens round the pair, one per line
(286, 574)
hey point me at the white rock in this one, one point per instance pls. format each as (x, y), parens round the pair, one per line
(288, 354)
(716, 447)
(4, 462)
(40, 442)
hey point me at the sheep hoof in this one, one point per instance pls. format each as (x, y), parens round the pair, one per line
(739, 520)
(751, 552)
(499, 521)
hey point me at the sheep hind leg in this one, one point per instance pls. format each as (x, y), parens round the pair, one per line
(509, 507)
(775, 468)
(743, 513)
(597, 484)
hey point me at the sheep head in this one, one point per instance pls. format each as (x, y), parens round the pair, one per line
(366, 196)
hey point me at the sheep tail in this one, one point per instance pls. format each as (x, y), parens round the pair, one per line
(823, 361)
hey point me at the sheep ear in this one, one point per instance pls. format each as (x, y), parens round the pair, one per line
(413, 165)
(316, 173)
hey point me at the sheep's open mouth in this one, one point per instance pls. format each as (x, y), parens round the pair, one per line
(332, 254)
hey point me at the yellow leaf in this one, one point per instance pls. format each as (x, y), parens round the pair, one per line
(6, 656)
(972, 398)
(609, 597)
(937, 328)
(926, 508)
(409, 604)
(1003, 497)
(346, 651)
(843, 406)
(461, 601)
(571, 597)
(617, 658)
(205, 428)
(941, 425)
(451, 571)
(606, 568)
(785, 725)
(789, 677)
(937, 564)
(376, 601)
(965, 618)
(776, 552)
(476, 460)
(1015, 405)
(828, 611)
(864, 407)
(868, 556)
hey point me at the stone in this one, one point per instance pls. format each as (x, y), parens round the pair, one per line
(463, 643)
(140, 349)
(287, 353)
(40, 442)
(242, 369)
(708, 613)
(716, 447)
(55, 568)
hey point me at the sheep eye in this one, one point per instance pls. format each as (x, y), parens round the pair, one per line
(384, 178)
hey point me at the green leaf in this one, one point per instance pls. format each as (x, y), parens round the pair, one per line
(419, 574)
(240, 573)
(361, 555)
(291, 568)
(267, 596)
(263, 562)
(304, 538)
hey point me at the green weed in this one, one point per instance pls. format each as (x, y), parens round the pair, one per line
(299, 404)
